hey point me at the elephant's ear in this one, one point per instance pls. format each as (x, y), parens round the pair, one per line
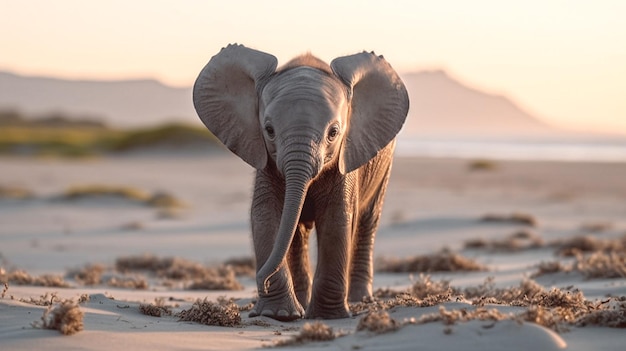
(226, 99)
(379, 105)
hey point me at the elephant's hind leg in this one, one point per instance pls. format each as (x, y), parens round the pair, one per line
(362, 265)
(299, 263)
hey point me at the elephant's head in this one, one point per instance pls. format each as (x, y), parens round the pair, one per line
(304, 118)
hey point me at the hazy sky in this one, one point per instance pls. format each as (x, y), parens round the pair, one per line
(564, 61)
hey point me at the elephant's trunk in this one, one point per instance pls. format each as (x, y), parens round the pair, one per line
(298, 174)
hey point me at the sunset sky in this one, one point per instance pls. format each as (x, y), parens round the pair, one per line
(564, 61)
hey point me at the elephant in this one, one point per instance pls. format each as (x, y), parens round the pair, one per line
(321, 138)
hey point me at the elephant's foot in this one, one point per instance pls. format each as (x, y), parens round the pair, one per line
(282, 307)
(318, 311)
(358, 292)
(304, 296)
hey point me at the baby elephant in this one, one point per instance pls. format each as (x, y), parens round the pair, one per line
(321, 138)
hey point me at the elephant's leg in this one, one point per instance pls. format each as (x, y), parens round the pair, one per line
(299, 265)
(333, 224)
(362, 265)
(280, 301)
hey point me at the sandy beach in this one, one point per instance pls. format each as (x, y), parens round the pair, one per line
(522, 222)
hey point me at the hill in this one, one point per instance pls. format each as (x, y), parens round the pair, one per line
(440, 105)
(127, 103)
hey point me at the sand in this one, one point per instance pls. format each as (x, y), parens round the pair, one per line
(431, 204)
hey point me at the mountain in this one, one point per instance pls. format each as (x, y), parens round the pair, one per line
(440, 105)
(119, 103)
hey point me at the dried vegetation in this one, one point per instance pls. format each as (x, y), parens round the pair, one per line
(20, 277)
(224, 313)
(156, 309)
(157, 199)
(171, 268)
(310, 332)
(66, 317)
(518, 241)
(513, 218)
(443, 261)
(555, 308)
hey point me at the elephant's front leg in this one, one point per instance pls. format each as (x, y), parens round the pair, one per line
(330, 284)
(280, 301)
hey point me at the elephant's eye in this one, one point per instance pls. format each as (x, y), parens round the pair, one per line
(333, 131)
(270, 131)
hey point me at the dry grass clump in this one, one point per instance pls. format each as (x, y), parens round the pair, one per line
(15, 192)
(450, 317)
(586, 244)
(598, 265)
(88, 275)
(596, 227)
(20, 277)
(156, 309)
(101, 190)
(544, 268)
(134, 282)
(482, 165)
(221, 278)
(513, 218)
(143, 263)
(549, 318)
(202, 277)
(378, 322)
(164, 200)
(518, 241)
(425, 287)
(612, 315)
(423, 293)
(443, 261)
(601, 265)
(242, 266)
(65, 317)
(224, 313)
(158, 199)
(310, 332)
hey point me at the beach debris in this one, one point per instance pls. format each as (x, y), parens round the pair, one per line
(610, 313)
(482, 165)
(161, 200)
(596, 227)
(128, 282)
(20, 277)
(90, 274)
(222, 277)
(517, 241)
(378, 322)
(571, 247)
(310, 332)
(156, 309)
(453, 316)
(442, 261)
(242, 266)
(513, 218)
(66, 317)
(224, 313)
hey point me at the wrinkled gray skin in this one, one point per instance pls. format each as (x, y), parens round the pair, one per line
(321, 138)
